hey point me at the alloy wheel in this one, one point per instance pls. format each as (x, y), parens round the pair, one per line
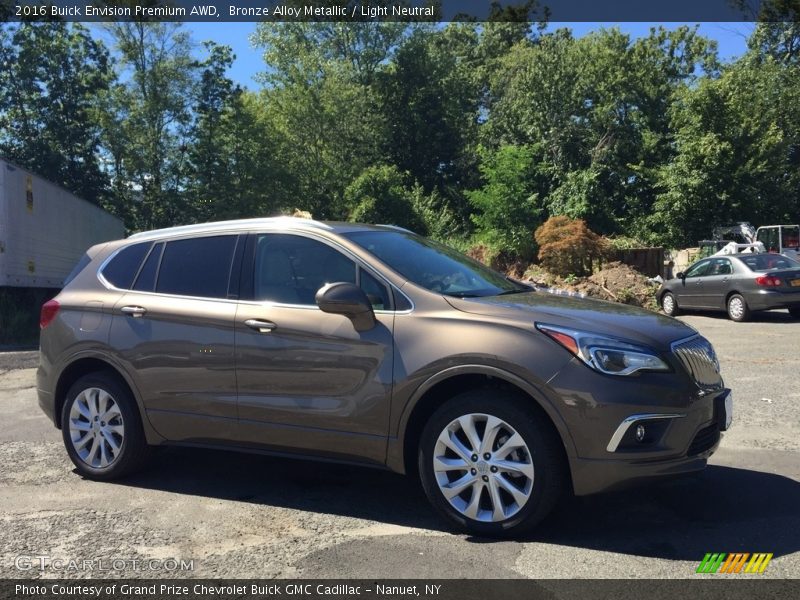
(668, 304)
(483, 467)
(96, 428)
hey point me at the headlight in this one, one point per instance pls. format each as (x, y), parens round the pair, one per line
(605, 354)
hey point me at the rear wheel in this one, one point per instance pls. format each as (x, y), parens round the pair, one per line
(670, 305)
(737, 308)
(101, 428)
(490, 465)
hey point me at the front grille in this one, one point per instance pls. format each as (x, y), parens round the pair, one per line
(704, 440)
(699, 359)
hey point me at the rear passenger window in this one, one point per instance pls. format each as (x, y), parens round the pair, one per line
(197, 267)
(124, 266)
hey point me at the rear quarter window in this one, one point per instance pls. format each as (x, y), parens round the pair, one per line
(122, 269)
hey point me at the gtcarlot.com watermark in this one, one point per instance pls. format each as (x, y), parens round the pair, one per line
(55, 564)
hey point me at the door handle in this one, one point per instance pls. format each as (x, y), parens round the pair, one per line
(260, 326)
(133, 311)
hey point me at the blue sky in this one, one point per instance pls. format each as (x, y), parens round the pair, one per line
(731, 37)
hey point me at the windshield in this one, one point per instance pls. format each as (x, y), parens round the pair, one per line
(769, 262)
(433, 266)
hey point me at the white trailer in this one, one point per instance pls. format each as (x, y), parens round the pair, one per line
(44, 230)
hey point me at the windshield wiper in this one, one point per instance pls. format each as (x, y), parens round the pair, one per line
(522, 291)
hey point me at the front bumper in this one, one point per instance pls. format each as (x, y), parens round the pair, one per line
(627, 468)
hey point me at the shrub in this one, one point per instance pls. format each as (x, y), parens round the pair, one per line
(567, 246)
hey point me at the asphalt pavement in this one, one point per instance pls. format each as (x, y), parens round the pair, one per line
(233, 515)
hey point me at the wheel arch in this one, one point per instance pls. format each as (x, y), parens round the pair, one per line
(447, 384)
(86, 364)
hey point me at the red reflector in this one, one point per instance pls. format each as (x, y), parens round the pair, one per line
(562, 338)
(49, 312)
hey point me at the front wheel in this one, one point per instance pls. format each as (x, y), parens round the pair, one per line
(490, 464)
(101, 428)
(670, 305)
(737, 308)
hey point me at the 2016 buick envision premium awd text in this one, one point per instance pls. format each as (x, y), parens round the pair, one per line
(371, 345)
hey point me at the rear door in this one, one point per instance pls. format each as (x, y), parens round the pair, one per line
(173, 329)
(307, 380)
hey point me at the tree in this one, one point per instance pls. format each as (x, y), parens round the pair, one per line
(150, 119)
(509, 204)
(380, 195)
(52, 76)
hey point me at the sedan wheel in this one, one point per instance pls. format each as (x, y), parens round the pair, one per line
(102, 429)
(491, 463)
(669, 304)
(738, 309)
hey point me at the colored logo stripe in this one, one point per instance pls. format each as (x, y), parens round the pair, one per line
(734, 563)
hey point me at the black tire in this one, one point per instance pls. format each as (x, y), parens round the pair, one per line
(795, 313)
(133, 450)
(675, 310)
(738, 312)
(546, 455)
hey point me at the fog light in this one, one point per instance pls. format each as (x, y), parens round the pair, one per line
(640, 433)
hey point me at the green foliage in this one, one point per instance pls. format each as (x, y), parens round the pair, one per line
(52, 76)
(379, 195)
(475, 133)
(567, 247)
(508, 204)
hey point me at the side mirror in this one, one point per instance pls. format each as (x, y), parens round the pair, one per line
(349, 300)
(680, 275)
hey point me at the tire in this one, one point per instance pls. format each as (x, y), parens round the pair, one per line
(541, 457)
(82, 416)
(669, 304)
(737, 308)
(795, 312)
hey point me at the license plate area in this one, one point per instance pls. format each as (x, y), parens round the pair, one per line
(724, 411)
(794, 282)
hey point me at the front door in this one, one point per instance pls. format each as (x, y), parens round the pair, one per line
(307, 380)
(690, 293)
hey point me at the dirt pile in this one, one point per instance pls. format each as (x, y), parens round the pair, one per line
(615, 281)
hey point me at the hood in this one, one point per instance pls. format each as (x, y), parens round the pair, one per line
(630, 323)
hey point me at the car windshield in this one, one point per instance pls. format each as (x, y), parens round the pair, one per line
(433, 266)
(769, 262)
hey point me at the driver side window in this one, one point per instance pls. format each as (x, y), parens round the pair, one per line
(698, 270)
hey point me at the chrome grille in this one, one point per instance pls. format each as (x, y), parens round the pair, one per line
(699, 359)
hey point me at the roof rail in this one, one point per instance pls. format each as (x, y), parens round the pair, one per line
(229, 225)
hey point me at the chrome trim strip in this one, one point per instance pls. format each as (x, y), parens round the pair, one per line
(626, 423)
(330, 242)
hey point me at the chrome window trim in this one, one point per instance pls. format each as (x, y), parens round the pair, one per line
(620, 432)
(309, 234)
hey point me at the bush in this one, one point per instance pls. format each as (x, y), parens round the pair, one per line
(568, 247)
